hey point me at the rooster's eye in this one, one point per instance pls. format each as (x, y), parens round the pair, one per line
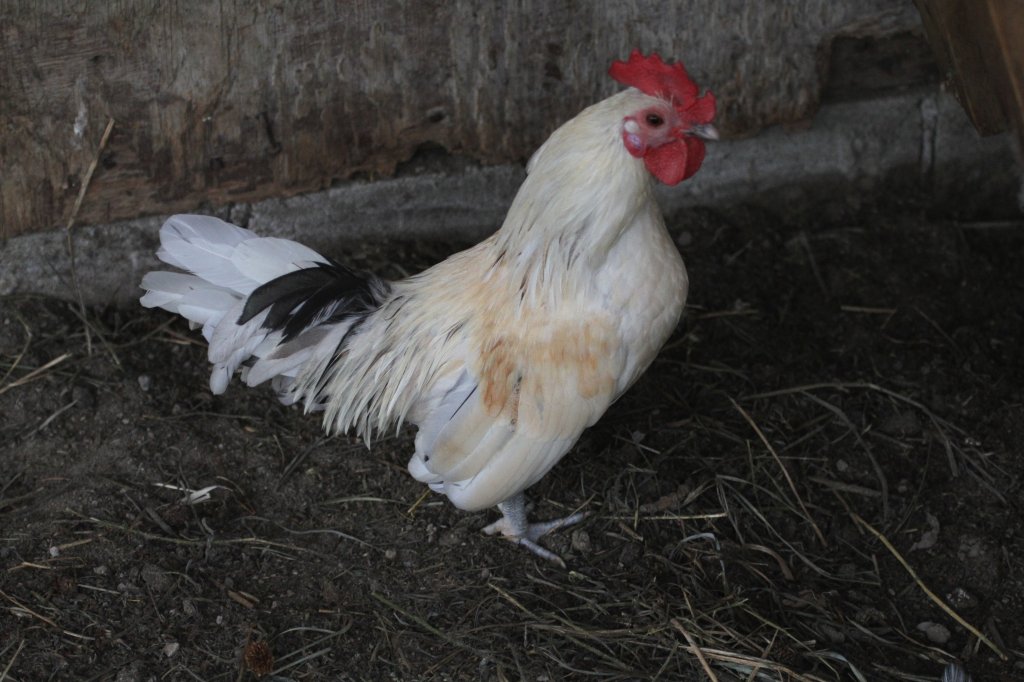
(654, 120)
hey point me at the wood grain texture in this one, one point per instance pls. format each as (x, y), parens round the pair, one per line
(978, 45)
(218, 102)
(1006, 54)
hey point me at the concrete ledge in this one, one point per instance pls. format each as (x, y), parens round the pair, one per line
(853, 154)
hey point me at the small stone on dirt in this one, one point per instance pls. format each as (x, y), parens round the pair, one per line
(581, 541)
(935, 632)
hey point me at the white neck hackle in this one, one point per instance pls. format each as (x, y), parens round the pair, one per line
(582, 192)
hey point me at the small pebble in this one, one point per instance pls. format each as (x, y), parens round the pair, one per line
(390, 554)
(156, 578)
(834, 635)
(970, 548)
(170, 649)
(581, 541)
(452, 537)
(935, 632)
(100, 570)
(145, 382)
(129, 674)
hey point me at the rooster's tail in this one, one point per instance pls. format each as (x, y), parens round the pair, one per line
(270, 306)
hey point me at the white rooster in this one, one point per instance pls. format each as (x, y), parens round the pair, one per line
(502, 354)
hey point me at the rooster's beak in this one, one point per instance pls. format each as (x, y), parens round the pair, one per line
(705, 131)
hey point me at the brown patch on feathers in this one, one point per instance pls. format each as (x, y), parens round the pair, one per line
(544, 356)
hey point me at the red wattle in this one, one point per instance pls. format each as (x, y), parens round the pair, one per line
(674, 162)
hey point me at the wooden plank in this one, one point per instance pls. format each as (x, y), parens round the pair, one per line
(978, 44)
(1006, 54)
(238, 100)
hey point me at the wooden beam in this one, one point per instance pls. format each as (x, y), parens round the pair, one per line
(1006, 54)
(979, 45)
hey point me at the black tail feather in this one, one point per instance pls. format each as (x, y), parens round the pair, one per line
(326, 292)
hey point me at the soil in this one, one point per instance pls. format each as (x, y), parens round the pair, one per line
(834, 397)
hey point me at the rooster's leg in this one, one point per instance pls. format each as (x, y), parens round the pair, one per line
(515, 527)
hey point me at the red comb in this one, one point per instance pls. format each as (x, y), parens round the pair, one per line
(652, 76)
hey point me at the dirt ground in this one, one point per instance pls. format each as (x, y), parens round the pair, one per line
(837, 401)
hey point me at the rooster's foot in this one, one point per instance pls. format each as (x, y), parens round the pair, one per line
(514, 527)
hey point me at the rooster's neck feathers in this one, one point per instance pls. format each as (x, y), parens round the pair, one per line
(582, 192)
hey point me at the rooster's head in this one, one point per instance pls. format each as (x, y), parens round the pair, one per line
(669, 132)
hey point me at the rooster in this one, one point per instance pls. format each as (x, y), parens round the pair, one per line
(502, 354)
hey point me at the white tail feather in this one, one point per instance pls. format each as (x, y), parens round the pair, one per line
(205, 246)
(227, 264)
(201, 303)
(265, 258)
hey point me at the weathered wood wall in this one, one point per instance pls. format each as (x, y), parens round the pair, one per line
(237, 100)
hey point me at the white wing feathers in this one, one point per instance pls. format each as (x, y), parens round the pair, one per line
(477, 458)
(493, 430)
